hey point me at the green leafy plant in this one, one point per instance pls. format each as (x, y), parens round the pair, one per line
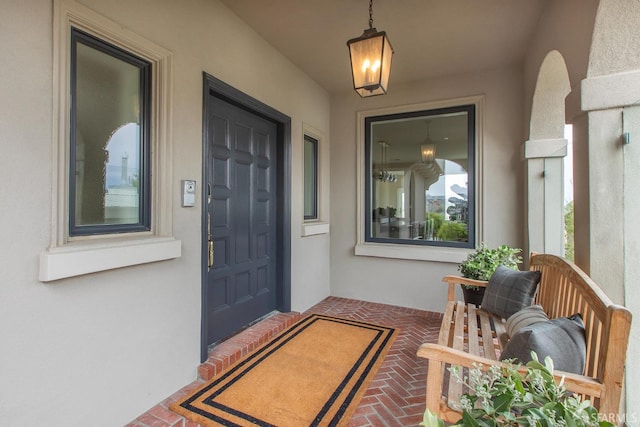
(481, 264)
(503, 396)
(452, 231)
(569, 231)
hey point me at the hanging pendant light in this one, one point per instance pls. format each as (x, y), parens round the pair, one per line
(428, 148)
(428, 152)
(370, 60)
(384, 174)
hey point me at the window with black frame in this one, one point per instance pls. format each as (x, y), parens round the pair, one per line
(420, 177)
(109, 161)
(310, 178)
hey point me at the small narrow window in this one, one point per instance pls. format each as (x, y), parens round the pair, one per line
(310, 178)
(109, 163)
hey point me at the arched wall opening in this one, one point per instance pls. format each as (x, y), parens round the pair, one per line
(545, 152)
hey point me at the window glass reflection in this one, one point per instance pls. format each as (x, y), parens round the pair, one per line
(109, 144)
(310, 178)
(421, 177)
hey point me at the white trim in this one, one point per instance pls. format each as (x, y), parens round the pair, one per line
(610, 91)
(545, 148)
(415, 252)
(69, 261)
(315, 228)
(68, 13)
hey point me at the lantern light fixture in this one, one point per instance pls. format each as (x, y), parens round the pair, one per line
(371, 55)
(428, 148)
(428, 152)
(383, 174)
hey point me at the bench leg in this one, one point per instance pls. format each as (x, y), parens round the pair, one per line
(434, 385)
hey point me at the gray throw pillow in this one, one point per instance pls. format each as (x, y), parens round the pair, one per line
(562, 339)
(525, 317)
(508, 291)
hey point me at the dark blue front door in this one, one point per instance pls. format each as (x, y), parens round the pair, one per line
(241, 198)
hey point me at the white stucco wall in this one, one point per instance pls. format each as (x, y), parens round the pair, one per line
(418, 283)
(101, 349)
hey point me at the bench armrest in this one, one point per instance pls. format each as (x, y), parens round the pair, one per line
(452, 281)
(439, 354)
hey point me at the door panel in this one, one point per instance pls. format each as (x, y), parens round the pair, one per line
(241, 175)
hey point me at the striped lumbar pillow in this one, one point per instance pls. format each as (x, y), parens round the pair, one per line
(525, 317)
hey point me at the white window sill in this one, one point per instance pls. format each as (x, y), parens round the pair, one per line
(315, 228)
(77, 259)
(418, 253)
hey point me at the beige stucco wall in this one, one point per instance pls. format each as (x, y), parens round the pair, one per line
(616, 39)
(101, 349)
(418, 283)
(565, 26)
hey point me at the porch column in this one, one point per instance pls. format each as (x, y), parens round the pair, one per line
(545, 165)
(611, 103)
(610, 96)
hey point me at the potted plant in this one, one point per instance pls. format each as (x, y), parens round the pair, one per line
(481, 264)
(506, 396)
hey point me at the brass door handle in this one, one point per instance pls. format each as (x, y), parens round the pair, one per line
(209, 242)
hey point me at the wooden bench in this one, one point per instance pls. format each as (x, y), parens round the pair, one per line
(470, 335)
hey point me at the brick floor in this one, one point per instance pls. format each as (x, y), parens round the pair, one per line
(228, 352)
(395, 397)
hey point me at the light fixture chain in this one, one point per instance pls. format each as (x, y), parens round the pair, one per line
(370, 14)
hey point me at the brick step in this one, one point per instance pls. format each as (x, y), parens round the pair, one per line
(226, 353)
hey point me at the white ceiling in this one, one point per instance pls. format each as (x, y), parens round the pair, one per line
(430, 37)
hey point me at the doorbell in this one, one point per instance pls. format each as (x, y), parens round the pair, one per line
(188, 193)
